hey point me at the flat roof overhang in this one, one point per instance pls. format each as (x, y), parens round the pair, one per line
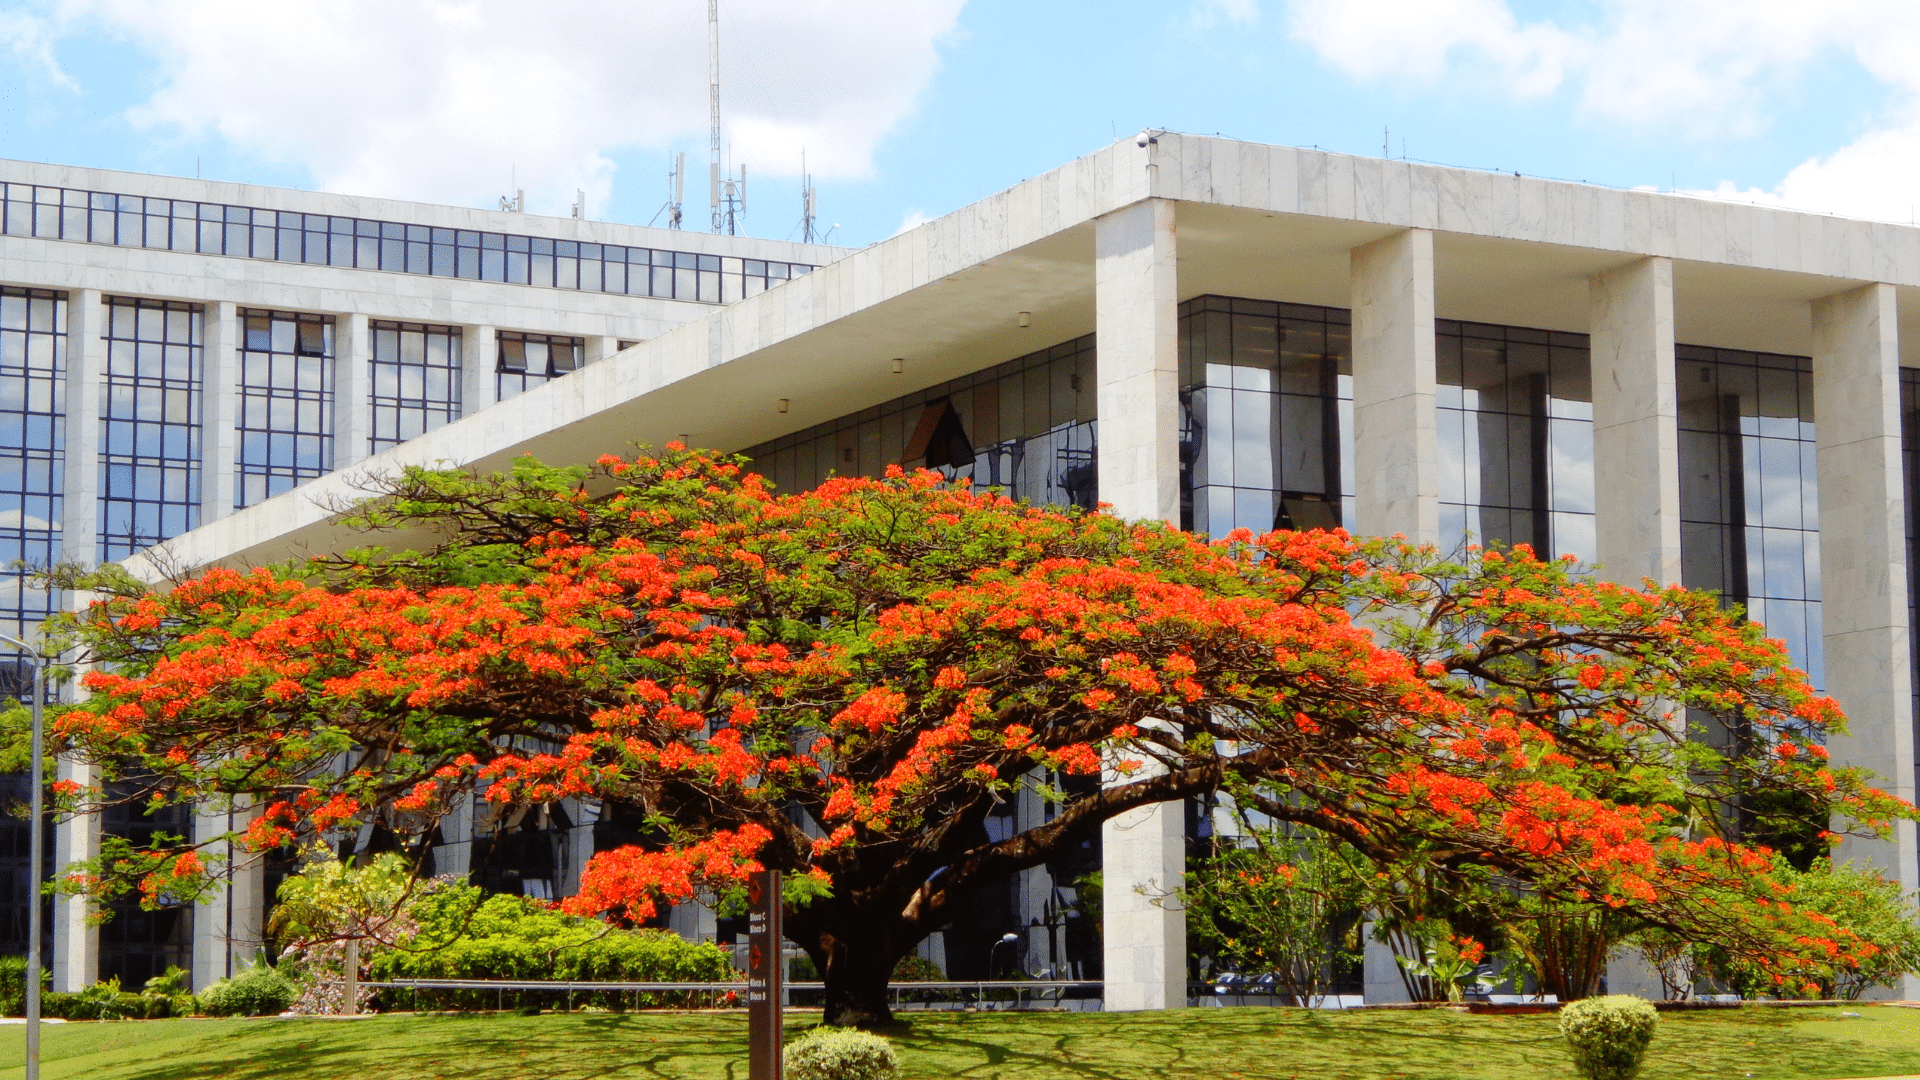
(945, 298)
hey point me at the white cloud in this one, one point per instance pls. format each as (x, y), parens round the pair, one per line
(911, 221)
(1422, 40)
(30, 39)
(1872, 177)
(440, 99)
(1704, 67)
(1696, 68)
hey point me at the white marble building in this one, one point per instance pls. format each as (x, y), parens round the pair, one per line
(1254, 334)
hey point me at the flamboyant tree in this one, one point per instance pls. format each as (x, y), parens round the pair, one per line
(844, 682)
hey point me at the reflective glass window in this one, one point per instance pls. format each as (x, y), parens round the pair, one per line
(1266, 392)
(416, 380)
(1749, 494)
(1515, 427)
(33, 360)
(1026, 428)
(150, 424)
(285, 418)
(527, 360)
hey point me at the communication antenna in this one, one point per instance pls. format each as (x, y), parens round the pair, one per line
(678, 190)
(579, 203)
(727, 195)
(809, 203)
(713, 109)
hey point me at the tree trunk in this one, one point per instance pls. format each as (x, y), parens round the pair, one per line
(857, 975)
(855, 951)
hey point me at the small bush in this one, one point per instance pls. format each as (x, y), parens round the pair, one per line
(257, 991)
(839, 1054)
(13, 985)
(101, 1001)
(916, 968)
(1608, 1035)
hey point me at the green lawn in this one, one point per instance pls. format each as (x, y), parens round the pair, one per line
(1269, 1044)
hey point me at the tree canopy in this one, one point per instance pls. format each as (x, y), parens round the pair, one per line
(844, 682)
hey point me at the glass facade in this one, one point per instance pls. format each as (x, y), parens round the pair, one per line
(1026, 427)
(1749, 494)
(101, 217)
(285, 417)
(150, 424)
(33, 368)
(1515, 433)
(136, 945)
(416, 381)
(1266, 403)
(527, 360)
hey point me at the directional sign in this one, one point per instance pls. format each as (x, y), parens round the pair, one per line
(765, 976)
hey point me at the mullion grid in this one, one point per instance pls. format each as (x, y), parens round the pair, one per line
(1030, 422)
(525, 361)
(285, 422)
(33, 351)
(1266, 396)
(1515, 426)
(150, 424)
(1749, 492)
(100, 217)
(415, 372)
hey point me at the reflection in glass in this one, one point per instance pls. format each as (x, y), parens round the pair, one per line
(150, 424)
(1749, 495)
(415, 380)
(285, 417)
(1266, 394)
(1515, 434)
(1025, 427)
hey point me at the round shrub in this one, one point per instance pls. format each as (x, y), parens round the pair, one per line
(257, 991)
(1608, 1035)
(839, 1054)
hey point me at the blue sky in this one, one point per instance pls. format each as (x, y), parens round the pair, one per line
(912, 108)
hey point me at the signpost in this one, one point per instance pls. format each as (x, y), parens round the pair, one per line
(765, 976)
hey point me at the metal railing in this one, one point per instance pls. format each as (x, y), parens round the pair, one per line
(986, 994)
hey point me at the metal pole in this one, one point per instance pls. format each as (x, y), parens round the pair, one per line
(35, 844)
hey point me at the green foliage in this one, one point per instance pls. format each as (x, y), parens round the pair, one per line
(13, 985)
(106, 1001)
(840, 1054)
(465, 934)
(1286, 904)
(170, 993)
(1608, 1035)
(1874, 909)
(329, 899)
(916, 968)
(258, 991)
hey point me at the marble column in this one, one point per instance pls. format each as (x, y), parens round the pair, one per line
(1863, 559)
(227, 922)
(1396, 460)
(352, 390)
(1136, 297)
(1636, 441)
(76, 944)
(479, 361)
(221, 337)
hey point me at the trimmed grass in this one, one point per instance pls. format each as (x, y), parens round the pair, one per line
(1202, 1044)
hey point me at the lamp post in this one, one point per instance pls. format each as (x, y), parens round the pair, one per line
(34, 854)
(1005, 939)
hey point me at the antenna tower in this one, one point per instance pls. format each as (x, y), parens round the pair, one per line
(727, 196)
(676, 189)
(809, 204)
